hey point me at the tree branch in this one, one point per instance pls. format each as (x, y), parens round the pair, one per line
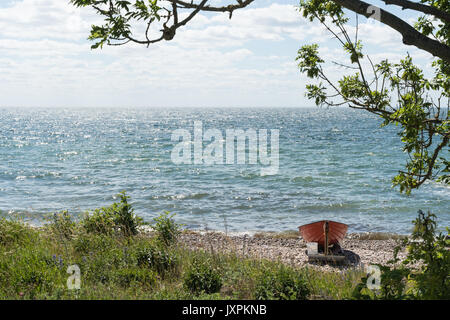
(201, 6)
(406, 4)
(436, 152)
(410, 35)
(230, 8)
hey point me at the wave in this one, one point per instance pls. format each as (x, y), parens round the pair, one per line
(191, 196)
(328, 207)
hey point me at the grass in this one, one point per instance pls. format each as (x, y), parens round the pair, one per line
(34, 262)
(117, 262)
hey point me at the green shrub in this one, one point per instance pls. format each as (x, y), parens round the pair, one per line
(400, 280)
(91, 243)
(98, 255)
(31, 272)
(119, 217)
(157, 258)
(100, 266)
(15, 232)
(100, 221)
(281, 284)
(167, 230)
(393, 285)
(202, 277)
(130, 275)
(62, 225)
(433, 280)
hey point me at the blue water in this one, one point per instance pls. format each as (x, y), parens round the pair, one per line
(334, 163)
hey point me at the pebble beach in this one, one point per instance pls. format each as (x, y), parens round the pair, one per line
(359, 249)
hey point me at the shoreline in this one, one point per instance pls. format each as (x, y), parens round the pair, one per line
(361, 249)
(159, 262)
(288, 247)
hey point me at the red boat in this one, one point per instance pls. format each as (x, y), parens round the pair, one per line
(320, 230)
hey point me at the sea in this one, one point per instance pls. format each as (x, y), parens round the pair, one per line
(334, 163)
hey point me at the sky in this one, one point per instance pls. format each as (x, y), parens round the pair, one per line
(248, 61)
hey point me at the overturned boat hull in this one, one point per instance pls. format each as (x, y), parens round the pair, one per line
(315, 232)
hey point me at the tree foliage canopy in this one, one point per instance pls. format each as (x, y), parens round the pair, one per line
(398, 92)
(122, 19)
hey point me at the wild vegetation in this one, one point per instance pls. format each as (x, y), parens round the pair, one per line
(400, 281)
(117, 261)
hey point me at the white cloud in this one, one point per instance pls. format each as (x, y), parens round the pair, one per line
(248, 60)
(37, 19)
